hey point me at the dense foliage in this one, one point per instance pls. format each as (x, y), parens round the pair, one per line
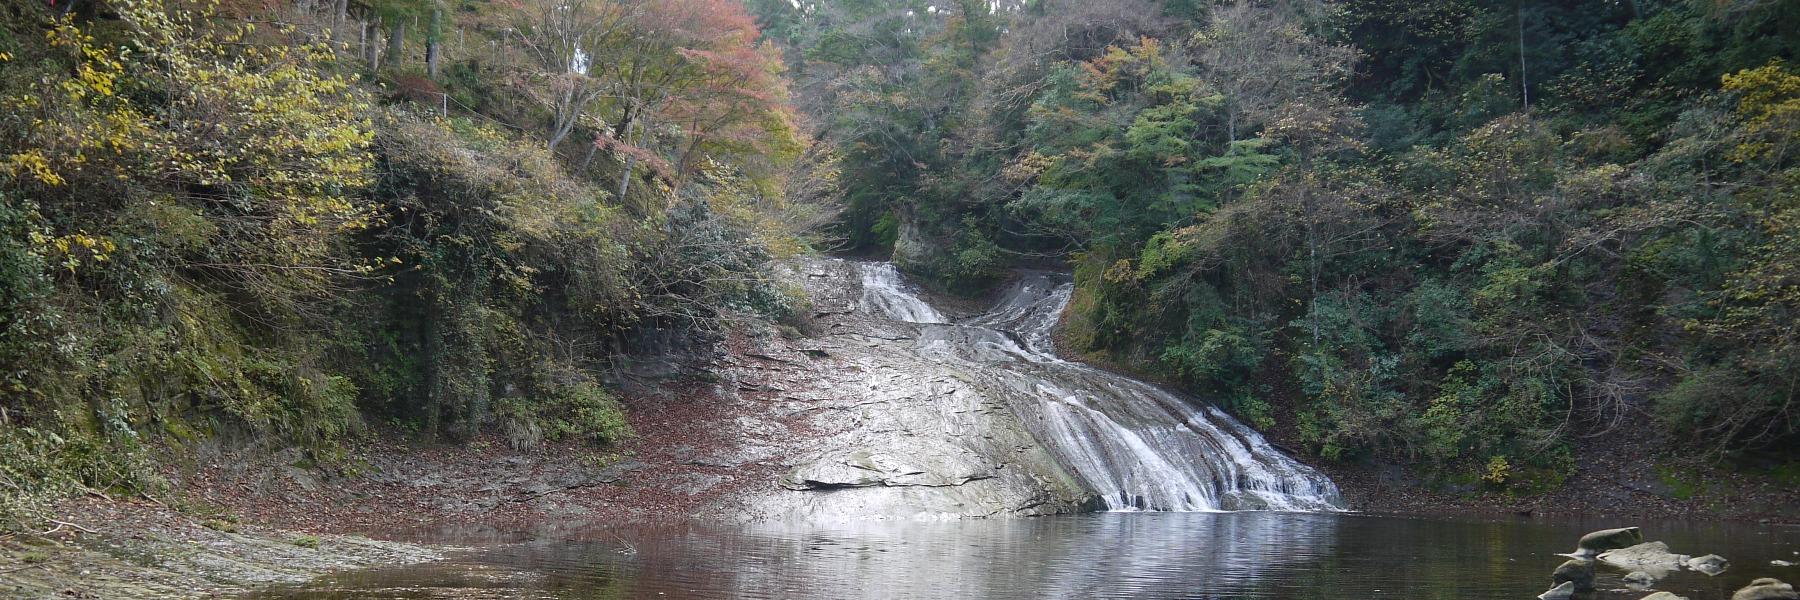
(217, 227)
(1455, 233)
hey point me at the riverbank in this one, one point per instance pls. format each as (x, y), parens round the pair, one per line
(105, 548)
(237, 520)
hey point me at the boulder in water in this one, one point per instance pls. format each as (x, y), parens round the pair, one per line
(1563, 591)
(1608, 539)
(1767, 588)
(1578, 571)
(1652, 557)
(1711, 564)
(1663, 596)
(1639, 579)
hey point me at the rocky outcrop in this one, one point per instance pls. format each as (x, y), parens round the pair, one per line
(1578, 572)
(1711, 564)
(867, 428)
(1767, 588)
(914, 245)
(863, 468)
(1651, 557)
(1608, 539)
(1647, 562)
(1563, 591)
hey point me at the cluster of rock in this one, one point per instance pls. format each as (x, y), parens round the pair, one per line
(1647, 563)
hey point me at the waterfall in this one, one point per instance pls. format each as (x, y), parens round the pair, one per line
(884, 294)
(1137, 445)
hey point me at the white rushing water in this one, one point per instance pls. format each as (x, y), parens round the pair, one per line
(885, 294)
(1138, 446)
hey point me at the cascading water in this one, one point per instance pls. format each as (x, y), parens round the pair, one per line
(1137, 445)
(884, 294)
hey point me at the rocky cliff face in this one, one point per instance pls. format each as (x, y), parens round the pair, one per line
(865, 426)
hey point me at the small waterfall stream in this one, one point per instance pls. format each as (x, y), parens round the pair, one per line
(884, 294)
(1140, 447)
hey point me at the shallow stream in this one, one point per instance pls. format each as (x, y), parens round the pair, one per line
(1249, 555)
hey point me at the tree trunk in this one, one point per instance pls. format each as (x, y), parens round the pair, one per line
(371, 47)
(567, 115)
(1524, 78)
(588, 159)
(681, 166)
(339, 15)
(625, 176)
(630, 163)
(433, 48)
(396, 41)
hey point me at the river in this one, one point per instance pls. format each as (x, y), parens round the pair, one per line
(1249, 555)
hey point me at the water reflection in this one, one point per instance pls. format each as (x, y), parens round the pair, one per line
(1141, 555)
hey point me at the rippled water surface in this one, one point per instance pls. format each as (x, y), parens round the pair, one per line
(1106, 555)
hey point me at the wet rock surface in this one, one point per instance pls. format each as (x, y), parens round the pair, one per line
(870, 428)
(1608, 539)
(913, 414)
(1711, 564)
(1651, 557)
(1766, 589)
(1578, 572)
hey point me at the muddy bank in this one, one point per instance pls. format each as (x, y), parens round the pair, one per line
(119, 549)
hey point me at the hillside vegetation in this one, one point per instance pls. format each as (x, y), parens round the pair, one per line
(280, 224)
(1460, 235)
(1457, 235)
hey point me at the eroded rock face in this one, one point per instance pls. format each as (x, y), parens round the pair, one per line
(896, 468)
(872, 429)
(896, 410)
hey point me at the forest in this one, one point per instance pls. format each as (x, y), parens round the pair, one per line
(1457, 235)
(296, 226)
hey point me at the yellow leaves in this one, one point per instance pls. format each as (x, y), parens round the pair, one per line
(75, 247)
(1120, 65)
(1499, 470)
(1028, 167)
(1120, 272)
(192, 110)
(1769, 102)
(34, 164)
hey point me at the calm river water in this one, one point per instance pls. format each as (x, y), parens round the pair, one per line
(1107, 555)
